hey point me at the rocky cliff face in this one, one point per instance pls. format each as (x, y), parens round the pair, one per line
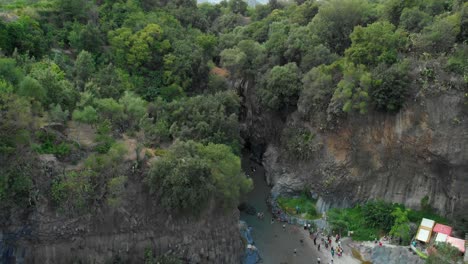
(124, 233)
(420, 151)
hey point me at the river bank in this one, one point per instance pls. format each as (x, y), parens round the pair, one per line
(277, 241)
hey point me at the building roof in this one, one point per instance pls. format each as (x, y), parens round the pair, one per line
(423, 234)
(425, 230)
(440, 228)
(457, 242)
(427, 223)
(441, 237)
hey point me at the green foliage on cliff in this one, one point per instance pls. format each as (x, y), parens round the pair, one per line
(401, 227)
(75, 192)
(376, 218)
(190, 175)
(210, 118)
(149, 69)
(299, 143)
(282, 87)
(305, 204)
(444, 254)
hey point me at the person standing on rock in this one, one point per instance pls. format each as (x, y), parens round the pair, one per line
(315, 240)
(332, 252)
(318, 247)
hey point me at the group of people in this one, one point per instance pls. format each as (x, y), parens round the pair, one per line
(327, 242)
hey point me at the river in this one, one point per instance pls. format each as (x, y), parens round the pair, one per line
(276, 245)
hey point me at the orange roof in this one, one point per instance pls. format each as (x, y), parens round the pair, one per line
(457, 242)
(440, 228)
(219, 71)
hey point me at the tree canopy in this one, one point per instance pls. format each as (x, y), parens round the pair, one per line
(190, 175)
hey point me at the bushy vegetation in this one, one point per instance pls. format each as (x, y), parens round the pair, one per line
(152, 69)
(50, 145)
(376, 218)
(305, 204)
(444, 253)
(190, 175)
(299, 143)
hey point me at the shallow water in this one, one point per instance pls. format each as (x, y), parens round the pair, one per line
(276, 245)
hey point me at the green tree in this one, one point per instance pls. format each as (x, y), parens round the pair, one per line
(378, 42)
(139, 48)
(336, 19)
(317, 91)
(73, 9)
(88, 115)
(134, 108)
(463, 23)
(191, 174)
(31, 88)
(300, 40)
(414, 20)
(86, 37)
(57, 114)
(390, 87)
(401, 227)
(9, 71)
(25, 35)
(237, 6)
(109, 82)
(276, 45)
(392, 9)
(440, 36)
(352, 92)
(16, 122)
(282, 87)
(84, 68)
(111, 110)
(379, 214)
(244, 60)
(207, 118)
(58, 89)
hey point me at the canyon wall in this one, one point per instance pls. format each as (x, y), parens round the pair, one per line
(119, 234)
(420, 151)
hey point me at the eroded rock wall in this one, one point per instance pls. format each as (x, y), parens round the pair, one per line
(420, 151)
(120, 233)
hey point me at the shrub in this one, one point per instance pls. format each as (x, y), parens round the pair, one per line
(352, 92)
(50, 145)
(299, 143)
(378, 214)
(305, 204)
(88, 115)
(72, 192)
(390, 87)
(282, 87)
(30, 87)
(103, 139)
(352, 219)
(57, 114)
(190, 174)
(376, 43)
(115, 187)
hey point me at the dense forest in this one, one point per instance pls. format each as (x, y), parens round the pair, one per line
(163, 72)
